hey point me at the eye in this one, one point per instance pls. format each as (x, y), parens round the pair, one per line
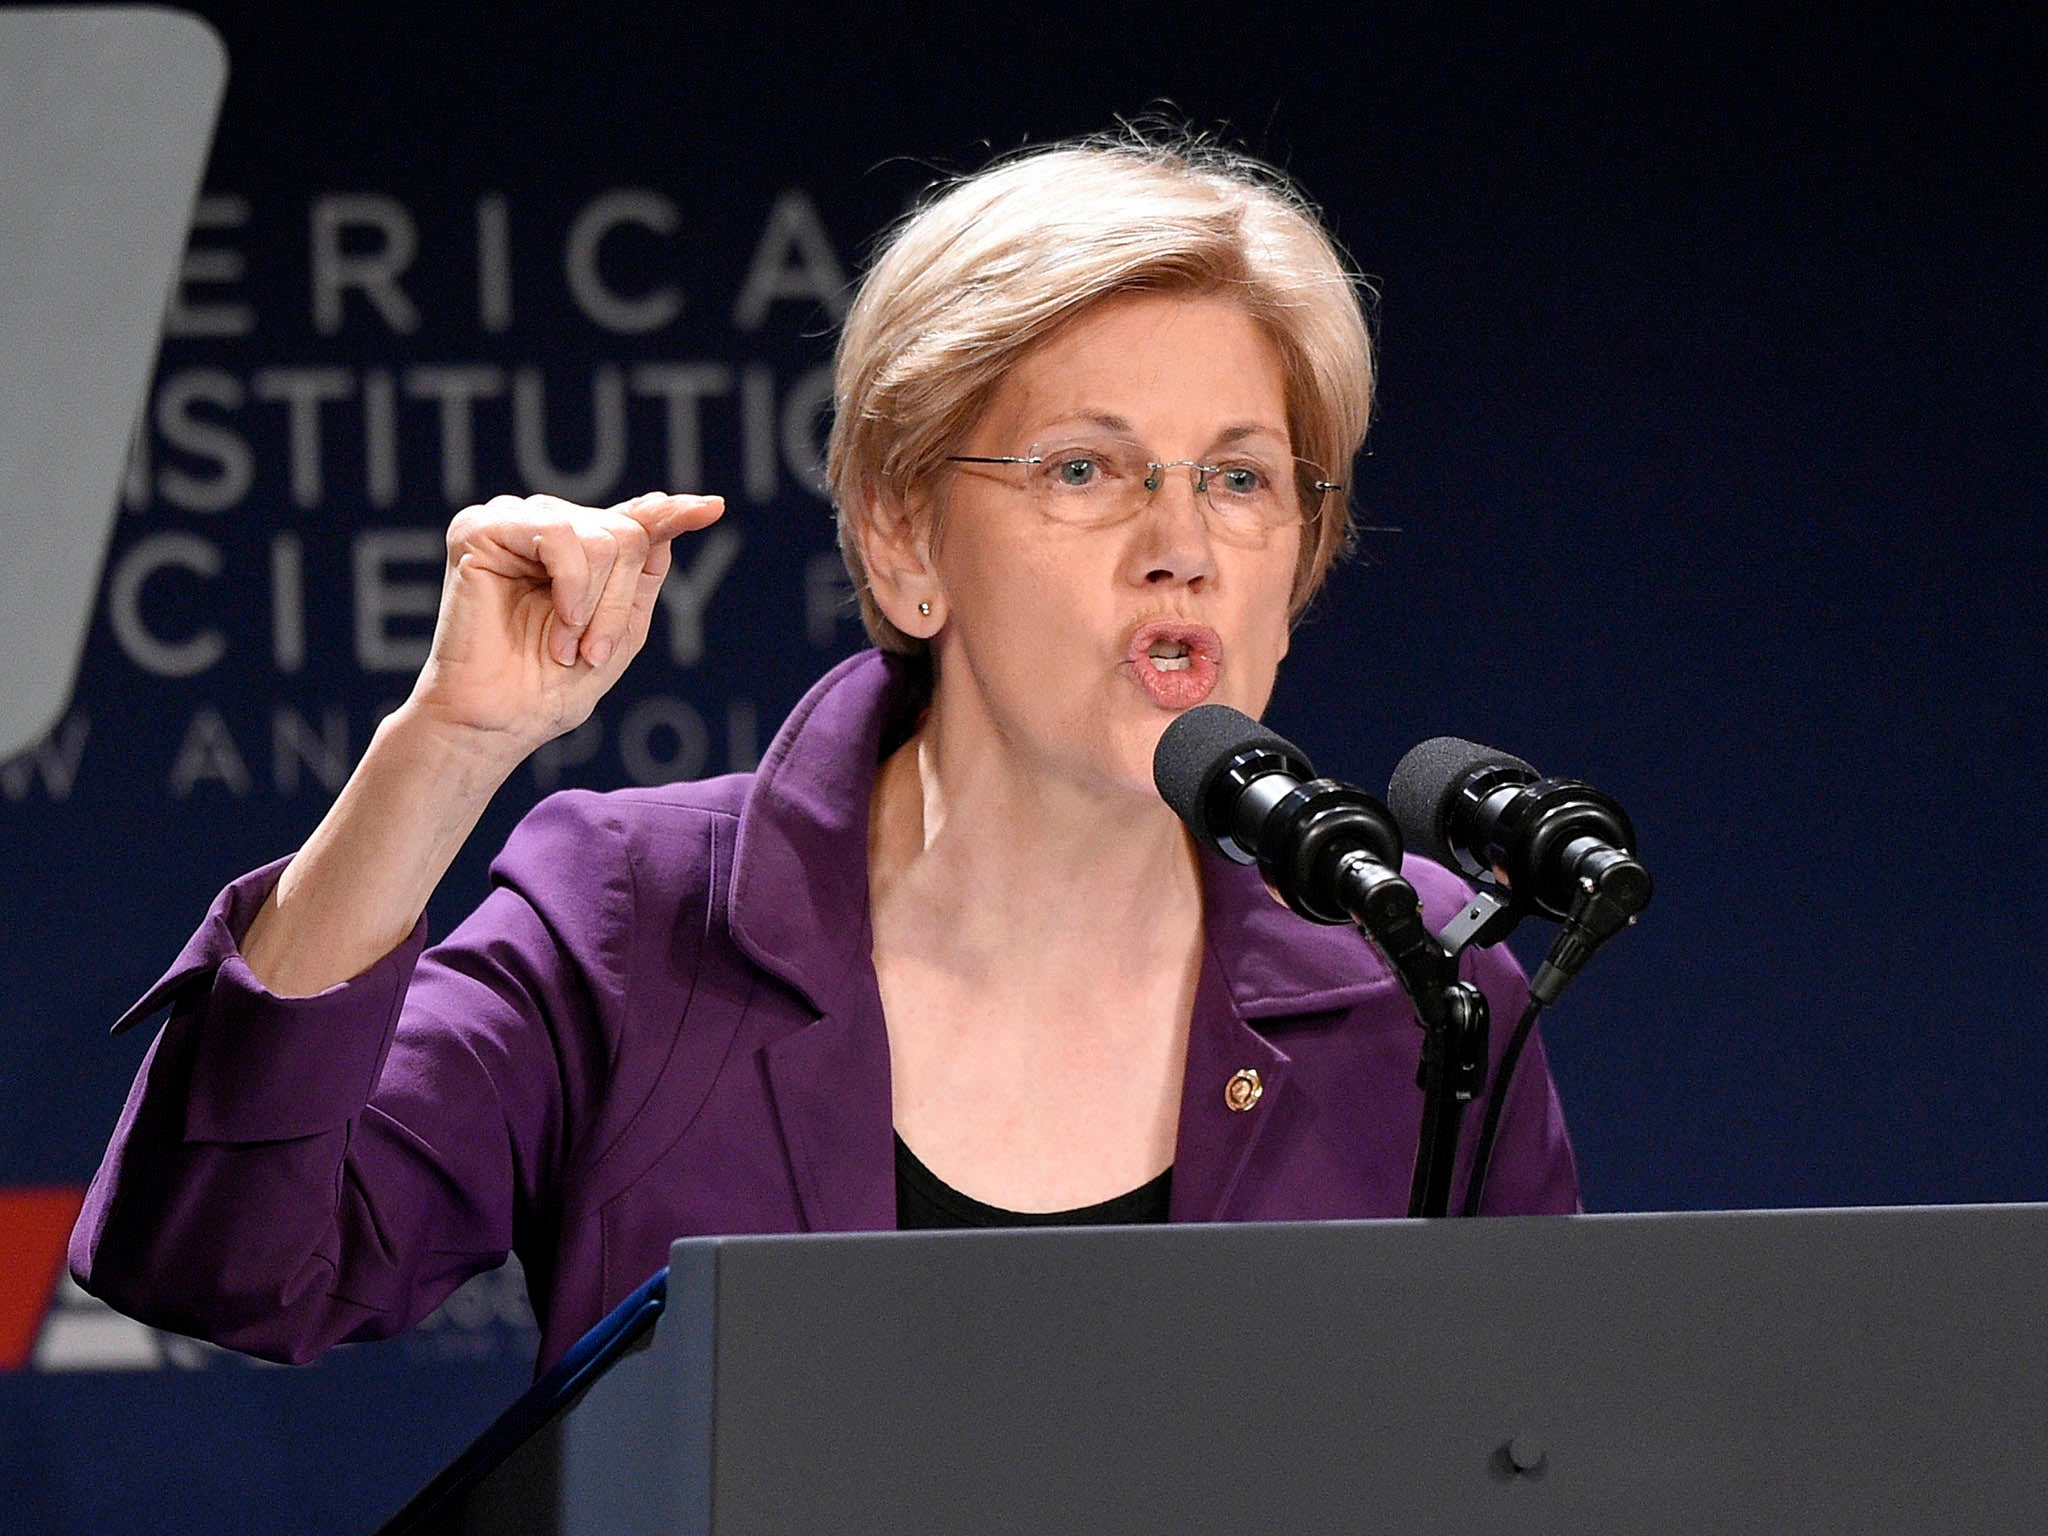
(1076, 471)
(1241, 480)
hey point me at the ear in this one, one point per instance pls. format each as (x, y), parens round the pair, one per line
(895, 548)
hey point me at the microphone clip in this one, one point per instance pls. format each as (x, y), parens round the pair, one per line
(1458, 1045)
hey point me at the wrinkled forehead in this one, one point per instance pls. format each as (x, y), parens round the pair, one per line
(1181, 374)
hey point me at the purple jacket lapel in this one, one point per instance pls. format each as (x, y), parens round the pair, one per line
(1216, 1141)
(1260, 962)
(800, 910)
(831, 1087)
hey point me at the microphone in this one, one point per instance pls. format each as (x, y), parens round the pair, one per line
(1333, 854)
(1558, 846)
(1328, 850)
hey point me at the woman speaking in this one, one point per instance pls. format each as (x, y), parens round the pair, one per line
(946, 958)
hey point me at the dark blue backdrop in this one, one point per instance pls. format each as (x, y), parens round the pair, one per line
(1711, 420)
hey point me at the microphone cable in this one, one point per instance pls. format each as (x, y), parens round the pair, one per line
(1496, 1102)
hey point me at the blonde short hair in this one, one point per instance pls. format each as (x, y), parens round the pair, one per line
(996, 262)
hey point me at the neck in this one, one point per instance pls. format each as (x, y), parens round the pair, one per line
(973, 861)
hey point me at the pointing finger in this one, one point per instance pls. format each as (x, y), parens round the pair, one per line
(665, 516)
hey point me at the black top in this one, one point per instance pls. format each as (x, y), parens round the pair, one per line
(924, 1201)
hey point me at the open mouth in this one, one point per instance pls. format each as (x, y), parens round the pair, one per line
(1176, 663)
(1173, 646)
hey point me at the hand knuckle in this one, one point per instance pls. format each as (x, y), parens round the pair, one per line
(633, 541)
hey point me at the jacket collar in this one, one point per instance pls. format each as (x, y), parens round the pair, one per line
(800, 863)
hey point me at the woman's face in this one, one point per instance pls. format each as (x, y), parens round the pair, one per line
(1074, 646)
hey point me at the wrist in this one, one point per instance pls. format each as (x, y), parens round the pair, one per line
(470, 761)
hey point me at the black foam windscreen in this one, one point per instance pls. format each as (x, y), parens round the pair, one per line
(1198, 747)
(1426, 783)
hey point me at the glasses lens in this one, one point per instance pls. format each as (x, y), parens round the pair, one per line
(1313, 488)
(1252, 489)
(1088, 481)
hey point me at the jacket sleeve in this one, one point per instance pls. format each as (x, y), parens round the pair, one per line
(290, 1173)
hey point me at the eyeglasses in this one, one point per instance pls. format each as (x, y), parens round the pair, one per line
(1095, 482)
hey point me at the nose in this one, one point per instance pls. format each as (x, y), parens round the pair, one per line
(1172, 545)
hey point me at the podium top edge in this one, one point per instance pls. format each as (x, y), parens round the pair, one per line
(1180, 1231)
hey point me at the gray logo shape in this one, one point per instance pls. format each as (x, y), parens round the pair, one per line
(105, 121)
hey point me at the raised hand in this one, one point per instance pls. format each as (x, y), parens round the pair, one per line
(543, 606)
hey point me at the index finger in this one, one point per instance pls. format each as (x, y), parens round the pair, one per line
(665, 516)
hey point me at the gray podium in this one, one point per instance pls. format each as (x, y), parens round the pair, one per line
(1852, 1370)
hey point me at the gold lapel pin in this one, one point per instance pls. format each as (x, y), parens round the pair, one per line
(1243, 1089)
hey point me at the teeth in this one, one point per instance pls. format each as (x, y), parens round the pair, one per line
(1168, 655)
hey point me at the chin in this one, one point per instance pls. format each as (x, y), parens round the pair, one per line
(1130, 768)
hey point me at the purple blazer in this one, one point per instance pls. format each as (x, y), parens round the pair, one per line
(663, 1020)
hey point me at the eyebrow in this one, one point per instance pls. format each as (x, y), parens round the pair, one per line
(1110, 422)
(1239, 433)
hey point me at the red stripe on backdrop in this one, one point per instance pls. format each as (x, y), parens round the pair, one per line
(35, 1225)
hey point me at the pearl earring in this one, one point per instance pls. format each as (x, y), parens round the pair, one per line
(925, 609)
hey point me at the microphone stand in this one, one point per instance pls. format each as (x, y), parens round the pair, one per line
(1453, 1013)
(1329, 852)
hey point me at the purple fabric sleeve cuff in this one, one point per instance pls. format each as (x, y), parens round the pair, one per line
(218, 936)
(268, 1068)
